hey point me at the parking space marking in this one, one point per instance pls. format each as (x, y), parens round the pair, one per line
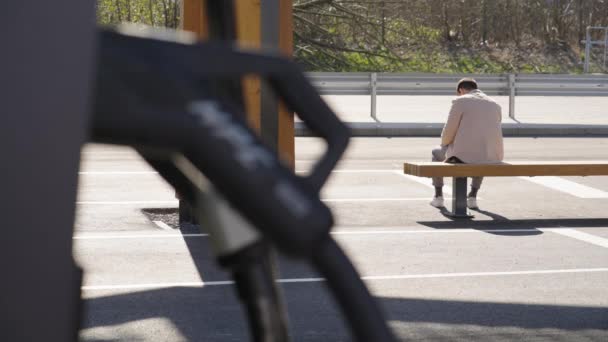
(567, 186)
(117, 173)
(382, 231)
(110, 173)
(485, 274)
(364, 170)
(424, 181)
(298, 171)
(444, 231)
(578, 235)
(173, 202)
(369, 278)
(154, 286)
(162, 225)
(134, 236)
(377, 199)
(428, 182)
(356, 171)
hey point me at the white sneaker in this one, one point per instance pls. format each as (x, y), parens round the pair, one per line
(472, 203)
(437, 202)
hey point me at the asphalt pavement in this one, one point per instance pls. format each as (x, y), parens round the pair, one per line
(531, 265)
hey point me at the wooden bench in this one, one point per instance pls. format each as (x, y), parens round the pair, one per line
(460, 172)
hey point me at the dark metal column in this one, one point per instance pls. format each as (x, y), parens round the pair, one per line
(269, 116)
(46, 67)
(459, 198)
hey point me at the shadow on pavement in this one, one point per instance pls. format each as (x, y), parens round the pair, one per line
(504, 224)
(470, 222)
(213, 314)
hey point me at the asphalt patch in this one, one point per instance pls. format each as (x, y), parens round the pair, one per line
(170, 216)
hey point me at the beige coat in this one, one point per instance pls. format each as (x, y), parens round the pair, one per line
(473, 130)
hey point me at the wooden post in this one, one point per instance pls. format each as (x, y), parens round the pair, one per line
(193, 14)
(248, 16)
(286, 124)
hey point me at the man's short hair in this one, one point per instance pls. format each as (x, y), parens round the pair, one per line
(466, 84)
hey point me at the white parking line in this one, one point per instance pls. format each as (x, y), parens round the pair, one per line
(394, 199)
(154, 286)
(298, 171)
(582, 236)
(383, 231)
(434, 231)
(355, 171)
(428, 182)
(368, 278)
(134, 236)
(174, 202)
(485, 274)
(425, 181)
(162, 225)
(420, 180)
(117, 173)
(364, 171)
(569, 187)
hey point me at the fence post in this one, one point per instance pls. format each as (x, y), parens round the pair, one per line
(587, 48)
(512, 96)
(373, 84)
(605, 46)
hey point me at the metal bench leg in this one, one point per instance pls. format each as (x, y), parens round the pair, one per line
(459, 198)
(186, 214)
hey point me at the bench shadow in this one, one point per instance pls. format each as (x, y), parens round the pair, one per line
(467, 222)
(492, 215)
(506, 321)
(505, 224)
(496, 218)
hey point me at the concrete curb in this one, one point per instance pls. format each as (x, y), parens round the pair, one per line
(404, 129)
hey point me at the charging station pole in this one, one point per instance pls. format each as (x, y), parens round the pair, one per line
(46, 66)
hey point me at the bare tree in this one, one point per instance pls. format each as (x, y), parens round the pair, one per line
(397, 35)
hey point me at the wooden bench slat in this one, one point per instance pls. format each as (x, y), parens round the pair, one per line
(508, 169)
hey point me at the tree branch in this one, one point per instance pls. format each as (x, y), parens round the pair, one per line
(310, 4)
(343, 49)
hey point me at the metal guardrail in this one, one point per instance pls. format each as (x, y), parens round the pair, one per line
(511, 85)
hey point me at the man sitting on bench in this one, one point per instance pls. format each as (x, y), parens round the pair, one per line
(472, 135)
